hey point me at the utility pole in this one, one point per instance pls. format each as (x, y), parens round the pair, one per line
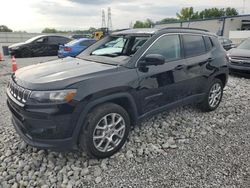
(103, 19)
(109, 26)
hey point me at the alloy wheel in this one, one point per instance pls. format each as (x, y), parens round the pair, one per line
(215, 95)
(109, 132)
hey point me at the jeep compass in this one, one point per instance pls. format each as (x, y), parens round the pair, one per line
(90, 102)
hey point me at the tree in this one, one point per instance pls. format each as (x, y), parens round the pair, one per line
(231, 12)
(212, 13)
(4, 28)
(165, 20)
(187, 13)
(144, 24)
(49, 30)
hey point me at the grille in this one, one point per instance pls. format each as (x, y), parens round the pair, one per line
(18, 92)
(240, 58)
(240, 61)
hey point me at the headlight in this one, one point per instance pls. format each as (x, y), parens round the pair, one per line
(59, 96)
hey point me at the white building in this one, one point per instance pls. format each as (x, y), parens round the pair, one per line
(221, 26)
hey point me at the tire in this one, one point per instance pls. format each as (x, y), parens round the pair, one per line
(99, 125)
(211, 102)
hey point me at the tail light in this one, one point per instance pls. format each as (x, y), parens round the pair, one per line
(67, 49)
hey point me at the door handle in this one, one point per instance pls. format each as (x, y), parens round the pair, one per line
(210, 59)
(179, 67)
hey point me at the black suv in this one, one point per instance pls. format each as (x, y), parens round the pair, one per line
(90, 102)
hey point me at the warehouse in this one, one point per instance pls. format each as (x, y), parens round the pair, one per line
(221, 26)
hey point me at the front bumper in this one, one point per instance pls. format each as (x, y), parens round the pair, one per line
(49, 127)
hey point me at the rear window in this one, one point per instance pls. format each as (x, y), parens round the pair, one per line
(193, 45)
(87, 42)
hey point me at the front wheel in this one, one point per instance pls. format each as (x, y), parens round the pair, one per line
(213, 96)
(108, 126)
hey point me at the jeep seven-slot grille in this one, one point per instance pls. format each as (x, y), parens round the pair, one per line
(18, 92)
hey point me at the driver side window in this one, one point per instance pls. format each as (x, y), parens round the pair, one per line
(42, 40)
(167, 46)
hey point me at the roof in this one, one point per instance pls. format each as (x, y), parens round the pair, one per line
(151, 31)
(199, 20)
(136, 31)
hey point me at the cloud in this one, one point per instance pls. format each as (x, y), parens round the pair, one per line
(91, 2)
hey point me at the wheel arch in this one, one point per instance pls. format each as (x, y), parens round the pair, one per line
(223, 78)
(125, 100)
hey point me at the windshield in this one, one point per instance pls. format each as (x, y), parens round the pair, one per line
(245, 45)
(120, 46)
(32, 39)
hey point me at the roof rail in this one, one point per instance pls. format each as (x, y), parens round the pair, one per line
(188, 28)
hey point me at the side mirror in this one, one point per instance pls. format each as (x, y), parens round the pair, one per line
(153, 59)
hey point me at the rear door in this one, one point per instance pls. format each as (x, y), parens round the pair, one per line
(197, 58)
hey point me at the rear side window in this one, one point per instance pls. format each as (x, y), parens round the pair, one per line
(208, 42)
(58, 40)
(87, 42)
(167, 46)
(193, 45)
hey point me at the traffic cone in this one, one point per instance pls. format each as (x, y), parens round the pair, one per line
(13, 64)
(1, 57)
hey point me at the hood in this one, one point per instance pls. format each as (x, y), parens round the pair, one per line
(59, 74)
(239, 52)
(16, 45)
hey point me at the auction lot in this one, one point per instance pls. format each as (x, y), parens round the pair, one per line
(179, 148)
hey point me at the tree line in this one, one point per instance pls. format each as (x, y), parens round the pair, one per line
(188, 13)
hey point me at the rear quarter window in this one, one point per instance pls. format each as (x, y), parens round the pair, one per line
(208, 43)
(193, 45)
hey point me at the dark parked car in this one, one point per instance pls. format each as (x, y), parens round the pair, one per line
(239, 58)
(43, 45)
(90, 102)
(226, 43)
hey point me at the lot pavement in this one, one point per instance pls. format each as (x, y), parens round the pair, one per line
(179, 148)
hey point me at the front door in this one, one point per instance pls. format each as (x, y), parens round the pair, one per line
(40, 46)
(163, 84)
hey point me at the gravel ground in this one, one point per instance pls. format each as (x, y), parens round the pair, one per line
(180, 148)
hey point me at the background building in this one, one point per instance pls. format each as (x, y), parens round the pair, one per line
(221, 26)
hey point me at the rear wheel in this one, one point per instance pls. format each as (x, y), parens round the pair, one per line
(213, 96)
(107, 129)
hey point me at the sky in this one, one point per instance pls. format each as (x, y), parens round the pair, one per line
(34, 15)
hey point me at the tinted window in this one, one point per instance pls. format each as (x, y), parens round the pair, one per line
(208, 43)
(167, 46)
(58, 40)
(87, 42)
(193, 45)
(42, 40)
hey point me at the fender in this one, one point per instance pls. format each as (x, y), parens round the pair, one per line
(89, 106)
